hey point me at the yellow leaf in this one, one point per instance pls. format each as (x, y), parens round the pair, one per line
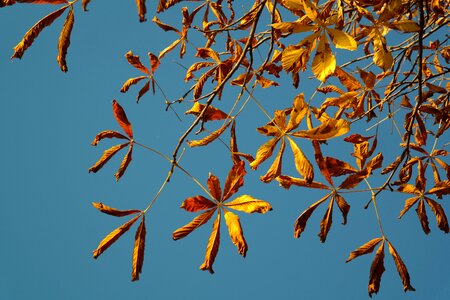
(64, 40)
(125, 162)
(169, 48)
(249, 205)
(350, 82)
(275, 168)
(401, 268)
(208, 139)
(113, 236)
(302, 164)
(34, 31)
(324, 62)
(405, 26)
(382, 57)
(195, 67)
(138, 251)
(235, 180)
(310, 9)
(342, 40)
(327, 130)
(214, 187)
(364, 249)
(264, 152)
(292, 27)
(198, 221)
(112, 211)
(235, 231)
(213, 246)
(298, 112)
(107, 155)
(211, 113)
(294, 58)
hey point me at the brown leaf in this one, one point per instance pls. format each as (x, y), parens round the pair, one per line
(211, 113)
(125, 162)
(138, 251)
(354, 179)
(422, 214)
(132, 81)
(235, 180)
(376, 271)
(321, 162)
(164, 26)
(213, 246)
(302, 164)
(441, 188)
(142, 10)
(34, 31)
(107, 155)
(154, 62)
(408, 204)
(338, 167)
(64, 40)
(194, 204)
(198, 221)
(249, 205)
(112, 211)
(235, 231)
(135, 61)
(364, 249)
(439, 212)
(122, 119)
(343, 206)
(210, 138)
(143, 90)
(275, 168)
(214, 187)
(326, 222)
(347, 80)
(287, 181)
(114, 236)
(300, 223)
(107, 134)
(84, 4)
(401, 268)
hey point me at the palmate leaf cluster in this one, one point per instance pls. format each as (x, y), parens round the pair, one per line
(365, 76)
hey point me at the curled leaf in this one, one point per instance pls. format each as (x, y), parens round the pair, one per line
(235, 231)
(300, 223)
(376, 271)
(107, 134)
(122, 119)
(107, 155)
(249, 205)
(64, 40)
(138, 251)
(364, 249)
(213, 247)
(125, 162)
(198, 221)
(401, 268)
(113, 211)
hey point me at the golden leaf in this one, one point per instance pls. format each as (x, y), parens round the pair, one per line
(300, 223)
(107, 155)
(107, 134)
(342, 40)
(193, 204)
(441, 188)
(142, 10)
(302, 164)
(401, 268)
(326, 222)
(214, 187)
(264, 82)
(198, 88)
(138, 251)
(264, 152)
(195, 67)
(327, 130)
(235, 231)
(143, 90)
(310, 9)
(34, 31)
(198, 221)
(287, 181)
(122, 119)
(376, 270)
(294, 58)
(113, 236)
(125, 162)
(64, 40)
(249, 205)
(405, 26)
(354, 179)
(113, 211)
(135, 61)
(439, 212)
(364, 249)
(235, 180)
(213, 246)
(154, 62)
(344, 207)
(321, 162)
(275, 168)
(211, 113)
(408, 204)
(382, 56)
(169, 48)
(292, 27)
(208, 139)
(338, 167)
(347, 80)
(132, 81)
(164, 26)
(324, 62)
(409, 189)
(298, 112)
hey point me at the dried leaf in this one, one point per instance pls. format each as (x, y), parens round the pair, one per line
(142, 10)
(408, 204)
(211, 113)
(132, 81)
(401, 268)
(84, 4)
(364, 249)
(439, 212)
(107, 155)
(64, 40)
(143, 90)
(264, 152)
(113, 211)
(213, 246)
(164, 26)
(34, 31)
(122, 119)
(198, 221)
(125, 162)
(302, 164)
(135, 61)
(249, 205)
(338, 167)
(326, 222)
(343, 206)
(321, 162)
(287, 181)
(235, 231)
(324, 62)
(214, 187)
(107, 134)
(342, 40)
(235, 180)
(113, 236)
(376, 271)
(154, 62)
(298, 112)
(300, 223)
(327, 130)
(138, 251)
(208, 139)
(275, 168)
(194, 204)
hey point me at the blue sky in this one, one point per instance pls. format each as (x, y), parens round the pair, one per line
(49, 227)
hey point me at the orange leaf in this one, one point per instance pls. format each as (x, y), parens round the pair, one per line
(143, 90)
(249, 205)
(300, 223)
(327, 130)
(439, 212)
(125, 162)
(422, 214)
(324, 62)
(321, 162)
(64, 40)
(108, 134)
(121, 118)
(364, 249)
(214, 187)
(338, 167)
(211, 113)
(326, 222)
(198, 221)
(287, 181)
(164, 26)
(408, 204)
(135, 61)
(401, 268)
(138, 251)
(34, 31)
(298, 112)
(132, 81)
(193, 204)
(154, 62)
(113, 236)
(347, 80)
(213, 246)
(343, 206)
(142, 10)
(376, 270)
(235, 231)
(235, 180)
(264, 152)
(107, 155)
(275, 168)
(208, 139)
(112, 211)
(302, 164)
(84, 4)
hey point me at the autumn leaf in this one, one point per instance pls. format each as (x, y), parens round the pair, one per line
(211, 113)
(198, 221)
(249, 205)
(364, 249)
(125, 162)
(138, 251)
(376, 271)
(64, 40)
(327, 219)
(301, 221)
(122, 119)
(107, 155)
(113, 211)
(327, 130)
(108, 134)
(235, 231)
(141, 12)
(213, 246)
(341, 39)
(302, 164)
(401, 268)
(324, 62)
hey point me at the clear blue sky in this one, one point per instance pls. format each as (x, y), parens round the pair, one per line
(49, 227)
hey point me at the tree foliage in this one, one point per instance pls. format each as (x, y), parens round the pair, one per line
(370, 62)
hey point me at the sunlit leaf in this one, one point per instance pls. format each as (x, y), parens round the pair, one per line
(264, 152)
(138, 251)
(122, 119)
(132, 81)
(364, 249)
(209, 138)
(108, 134)
(324, 62)
(235, 180)
(107, 155)
(135, 61)
(193, 204)
(342, 40)
(338, 167)
(287, 181)
(113, 211)
(64, 40)
(344, 207)
(142, 10)
(302, 164)
(125, 162)
(198, 221)
(439, 212)
(249, 205)
(235, 231)
(327, 130)
(408, 204)
(275, 168)
(213, 246)
(214, 187)
(301, 221)
(211, 113)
